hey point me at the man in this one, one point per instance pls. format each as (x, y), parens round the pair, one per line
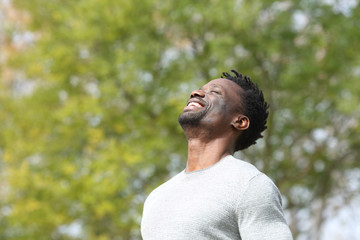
(218, 196)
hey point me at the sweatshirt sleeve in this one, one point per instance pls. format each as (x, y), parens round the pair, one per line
(260, 214)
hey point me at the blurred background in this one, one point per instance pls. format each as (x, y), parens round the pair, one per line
(90, 93)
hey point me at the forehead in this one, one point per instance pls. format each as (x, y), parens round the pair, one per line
(227, 85)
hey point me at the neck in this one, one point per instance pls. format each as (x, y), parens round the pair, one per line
(203, 154)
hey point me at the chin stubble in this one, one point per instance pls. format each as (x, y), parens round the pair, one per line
(190, 119)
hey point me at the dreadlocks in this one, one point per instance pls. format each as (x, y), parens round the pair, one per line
(253, 106)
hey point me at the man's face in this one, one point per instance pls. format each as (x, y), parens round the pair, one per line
(214, 104)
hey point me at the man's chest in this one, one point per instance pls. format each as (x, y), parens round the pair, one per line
(199, 211)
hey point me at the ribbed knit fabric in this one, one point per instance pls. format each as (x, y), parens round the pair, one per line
(229, 200)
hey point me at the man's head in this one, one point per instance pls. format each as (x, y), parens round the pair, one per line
(229, 106)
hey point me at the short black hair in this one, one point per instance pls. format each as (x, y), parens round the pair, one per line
(253, 106)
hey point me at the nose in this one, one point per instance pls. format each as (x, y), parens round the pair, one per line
(197, 93)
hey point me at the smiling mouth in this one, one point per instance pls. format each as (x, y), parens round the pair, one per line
(193, 105)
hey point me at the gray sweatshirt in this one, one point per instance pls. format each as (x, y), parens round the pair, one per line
(229, 200)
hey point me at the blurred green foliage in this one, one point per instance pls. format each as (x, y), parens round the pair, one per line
(91, 91)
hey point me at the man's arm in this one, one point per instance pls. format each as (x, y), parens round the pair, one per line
(260, 214)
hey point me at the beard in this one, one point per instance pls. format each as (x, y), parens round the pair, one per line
(191, 119)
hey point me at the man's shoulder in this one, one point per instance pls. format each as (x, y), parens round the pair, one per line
(237, 168)
(164, 186)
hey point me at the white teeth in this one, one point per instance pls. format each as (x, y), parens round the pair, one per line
(195, 104)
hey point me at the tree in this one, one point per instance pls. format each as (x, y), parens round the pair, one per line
(92, 90)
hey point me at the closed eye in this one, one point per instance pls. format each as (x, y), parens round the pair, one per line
(214, 91)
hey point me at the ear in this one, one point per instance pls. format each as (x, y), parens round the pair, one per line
(241, 123)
